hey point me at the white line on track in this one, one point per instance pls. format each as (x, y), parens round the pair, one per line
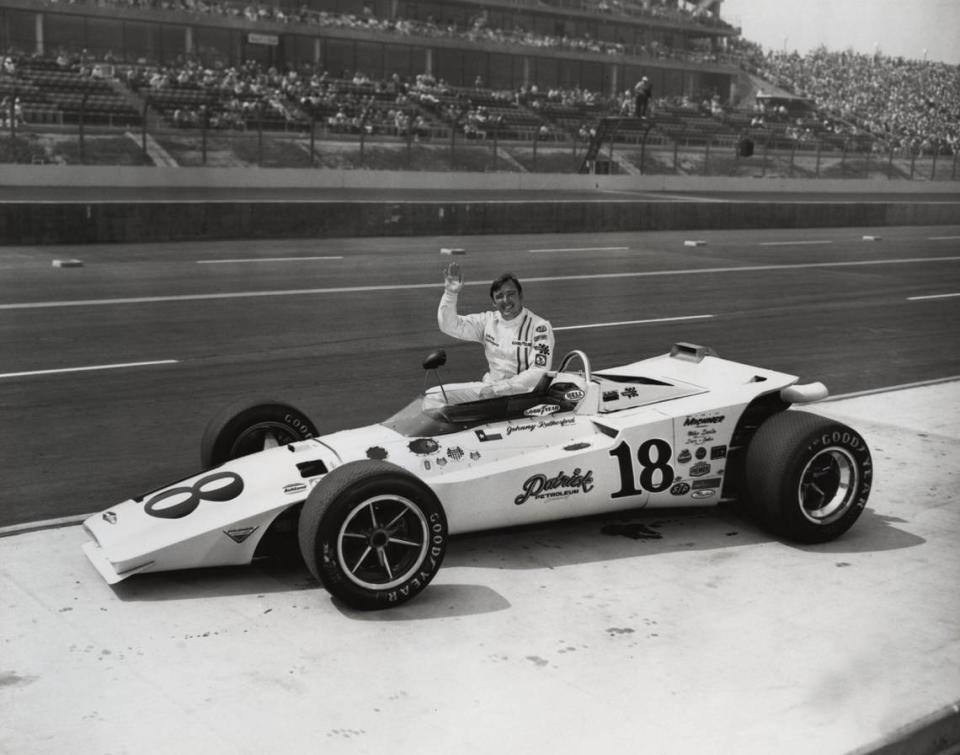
(581, 249)
(43, 524)
(416, 286)
(632, 322)
(794, 243)
(931, 296)
(943, 238)
(266, 259)
(892, 388)
(88, 369)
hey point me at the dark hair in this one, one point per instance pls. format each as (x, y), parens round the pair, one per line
(504, 278)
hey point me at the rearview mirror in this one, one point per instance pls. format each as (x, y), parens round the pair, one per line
(435, 359)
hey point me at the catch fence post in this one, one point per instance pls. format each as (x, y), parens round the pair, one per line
(143, 129)
(204, 125)
(80, 134)
(260, 133)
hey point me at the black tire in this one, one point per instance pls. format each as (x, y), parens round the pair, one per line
(248, 426)
(373, 534)
(807, 477)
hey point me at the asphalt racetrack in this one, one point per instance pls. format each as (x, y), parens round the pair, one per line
(669, 632)
(110, 371)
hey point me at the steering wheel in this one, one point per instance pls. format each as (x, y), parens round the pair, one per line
(584, 363)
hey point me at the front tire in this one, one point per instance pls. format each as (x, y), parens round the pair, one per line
(373, 534)
(246, 427)
(807, 477)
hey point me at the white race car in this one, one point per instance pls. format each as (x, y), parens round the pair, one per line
(373, 507)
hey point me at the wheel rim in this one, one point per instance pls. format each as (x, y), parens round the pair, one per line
(382, 542)
(828, 485)
(261, 436)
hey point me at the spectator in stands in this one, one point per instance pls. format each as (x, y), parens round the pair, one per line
(642, 93)
(518, 344)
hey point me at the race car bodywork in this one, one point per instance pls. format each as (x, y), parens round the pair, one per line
(373, 506)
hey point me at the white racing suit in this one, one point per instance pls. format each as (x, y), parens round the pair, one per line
(519, 351)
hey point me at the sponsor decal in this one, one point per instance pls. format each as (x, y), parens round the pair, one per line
(699, 469)
(474, 456)
(611, 396)
(424, 446)
(700, 436)
(710, 482)
(490, 339)
(294, 487)
(455, 454)
(110, 517)
(484, 437)
(701, 494)
(680, 488)
(240, 534)
(574, 395)
(540, 487)
(540, 360)
(576, 446)
(540, 337)
(711, 419)
(701, 453)
(630, 392)
(541, 329)
(377, 453)
(684, 456)
(541, 410)
(718, 452)
(441, 462)
(426, 464)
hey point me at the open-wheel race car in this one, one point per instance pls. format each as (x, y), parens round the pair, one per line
(373, 507)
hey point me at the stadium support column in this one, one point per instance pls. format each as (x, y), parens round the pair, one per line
(38, 32)
(188, 39)
(317, 52)
(428, 62)
(614, 69)
(526, 71)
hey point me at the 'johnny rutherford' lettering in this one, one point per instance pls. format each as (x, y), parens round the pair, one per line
(540, 486)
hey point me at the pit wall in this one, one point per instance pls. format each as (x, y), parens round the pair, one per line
(81, 221)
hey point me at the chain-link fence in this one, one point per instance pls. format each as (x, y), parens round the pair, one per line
(91, 129)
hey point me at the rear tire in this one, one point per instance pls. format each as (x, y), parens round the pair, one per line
(373, 534)
(807, 477)
(246, 427)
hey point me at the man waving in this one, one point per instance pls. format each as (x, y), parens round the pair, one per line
(518, 344)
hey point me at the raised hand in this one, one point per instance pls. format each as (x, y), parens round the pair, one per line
(453, 278)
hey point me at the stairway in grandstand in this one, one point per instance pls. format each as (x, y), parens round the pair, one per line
(611, 129)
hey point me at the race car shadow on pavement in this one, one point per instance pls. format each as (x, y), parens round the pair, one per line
(608, 537)
(585, 540)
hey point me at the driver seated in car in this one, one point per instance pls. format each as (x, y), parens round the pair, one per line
(518, 344)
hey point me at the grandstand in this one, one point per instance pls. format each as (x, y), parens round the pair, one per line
(550, 75)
